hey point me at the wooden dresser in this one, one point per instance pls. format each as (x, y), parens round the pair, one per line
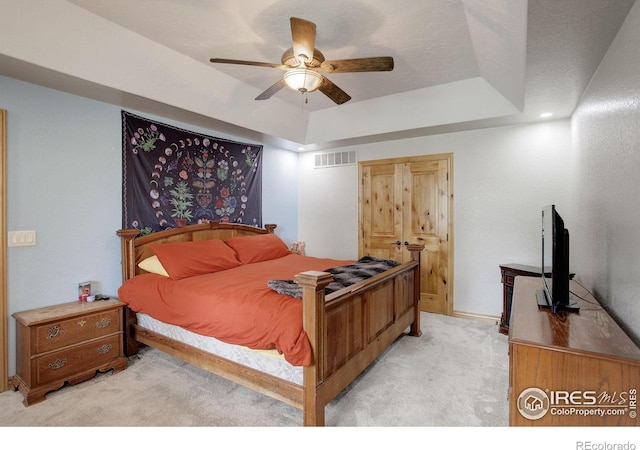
(569, 369)
(67, 343)
(508, 274)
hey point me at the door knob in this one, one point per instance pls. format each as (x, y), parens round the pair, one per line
(406, 243)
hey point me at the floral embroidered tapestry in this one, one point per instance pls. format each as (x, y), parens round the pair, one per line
(174, 177)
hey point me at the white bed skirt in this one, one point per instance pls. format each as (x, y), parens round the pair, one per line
(268, 361)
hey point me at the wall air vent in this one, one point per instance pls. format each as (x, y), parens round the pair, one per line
(334, 159)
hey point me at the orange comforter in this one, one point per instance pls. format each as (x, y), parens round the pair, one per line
(234, 306)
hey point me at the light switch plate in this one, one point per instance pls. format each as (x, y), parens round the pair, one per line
(21, 238)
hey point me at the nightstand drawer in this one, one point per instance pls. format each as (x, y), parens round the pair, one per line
(78, 329)
(74, 360)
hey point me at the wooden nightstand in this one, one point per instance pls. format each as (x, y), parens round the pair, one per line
(67, 343)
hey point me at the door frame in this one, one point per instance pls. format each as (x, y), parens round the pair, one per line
(422, 158)
(4, 339)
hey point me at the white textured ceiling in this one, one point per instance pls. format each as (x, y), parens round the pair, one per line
(459, 64)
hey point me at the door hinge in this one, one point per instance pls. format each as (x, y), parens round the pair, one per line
(447, 176)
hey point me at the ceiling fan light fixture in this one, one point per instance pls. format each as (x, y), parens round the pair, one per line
(302, 80)
(302, 62)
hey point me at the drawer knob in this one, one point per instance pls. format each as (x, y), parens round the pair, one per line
(54, 331)
(104, 348)
(57, 364)
(103, 323)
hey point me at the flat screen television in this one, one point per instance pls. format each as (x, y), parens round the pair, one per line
(555, 263)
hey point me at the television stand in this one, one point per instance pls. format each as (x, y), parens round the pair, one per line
(543, 302)
(564, 369)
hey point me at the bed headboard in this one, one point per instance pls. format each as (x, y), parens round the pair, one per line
(135, 248)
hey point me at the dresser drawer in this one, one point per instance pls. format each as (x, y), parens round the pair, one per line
(82, 328)
(73, 360)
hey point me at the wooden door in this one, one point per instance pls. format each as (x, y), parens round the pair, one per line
(381, 211)
(407, 201)
(425, 221)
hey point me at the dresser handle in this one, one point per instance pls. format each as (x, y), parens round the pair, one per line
(103, 323)
(54, 331)
(104, 348)
(57, 364)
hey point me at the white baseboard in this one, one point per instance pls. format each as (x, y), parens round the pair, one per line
(476, 316)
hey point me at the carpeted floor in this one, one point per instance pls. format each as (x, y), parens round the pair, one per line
(455, 374)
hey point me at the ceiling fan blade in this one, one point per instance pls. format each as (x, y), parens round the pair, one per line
(377, 64)
(332, 91)
(275, 87)
(303, 34)
(249, 63)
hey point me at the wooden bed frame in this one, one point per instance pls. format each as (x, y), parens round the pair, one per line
(347, 329)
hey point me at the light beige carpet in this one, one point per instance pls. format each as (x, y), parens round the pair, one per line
(455, 374)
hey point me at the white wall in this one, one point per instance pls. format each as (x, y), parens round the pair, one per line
(328, 211)
(502, 179)
(64, 172)
(606, 128)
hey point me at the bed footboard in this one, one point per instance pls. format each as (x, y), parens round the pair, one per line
(350, 328)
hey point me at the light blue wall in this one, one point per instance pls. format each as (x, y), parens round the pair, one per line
(64, 181)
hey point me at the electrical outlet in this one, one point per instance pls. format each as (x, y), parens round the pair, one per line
(21, 238)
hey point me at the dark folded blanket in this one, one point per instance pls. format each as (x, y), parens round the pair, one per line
(343, 276)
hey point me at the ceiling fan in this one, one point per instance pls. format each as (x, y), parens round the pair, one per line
(303, 63)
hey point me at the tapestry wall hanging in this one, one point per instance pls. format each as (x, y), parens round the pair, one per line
(173, 177)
